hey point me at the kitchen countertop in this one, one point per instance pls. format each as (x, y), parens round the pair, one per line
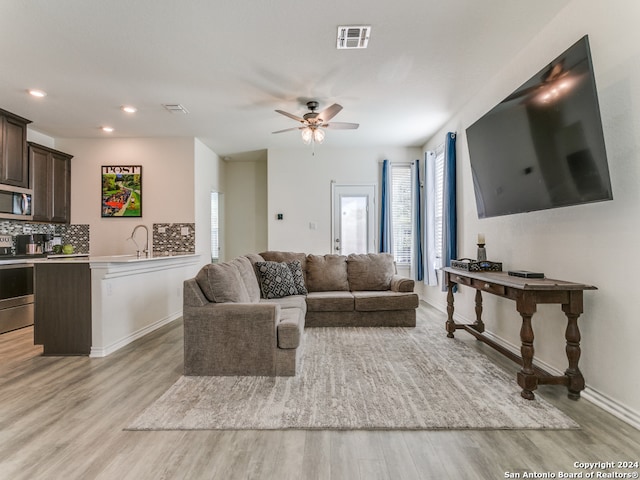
(84, 258)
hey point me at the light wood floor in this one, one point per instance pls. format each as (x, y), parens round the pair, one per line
(63, 418)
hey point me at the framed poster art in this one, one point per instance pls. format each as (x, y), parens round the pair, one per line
(121, 191)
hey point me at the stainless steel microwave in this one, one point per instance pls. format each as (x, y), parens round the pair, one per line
(15, 203)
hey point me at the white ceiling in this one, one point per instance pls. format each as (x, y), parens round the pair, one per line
(231, 63)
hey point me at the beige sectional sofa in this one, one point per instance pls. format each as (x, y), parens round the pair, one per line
(247, 316)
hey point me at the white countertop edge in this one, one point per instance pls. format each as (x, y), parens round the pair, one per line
(104, 259)
(136, 259)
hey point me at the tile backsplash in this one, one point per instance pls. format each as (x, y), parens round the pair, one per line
(171, 238)
(168, 238)
(76, 235)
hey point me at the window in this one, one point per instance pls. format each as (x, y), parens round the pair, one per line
(215, 243)
(401, 218)
(439, 205)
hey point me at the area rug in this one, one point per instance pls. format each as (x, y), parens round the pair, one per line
(361, 378)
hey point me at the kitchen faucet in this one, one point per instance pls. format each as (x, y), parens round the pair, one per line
(146, 247)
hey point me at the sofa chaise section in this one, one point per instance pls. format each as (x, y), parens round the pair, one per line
(230, 330)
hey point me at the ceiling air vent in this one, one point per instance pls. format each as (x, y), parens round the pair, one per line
(175, 108)
(354, 36)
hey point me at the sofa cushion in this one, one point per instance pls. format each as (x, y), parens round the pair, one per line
(371, 271)
(330, 302)
(248, 275)
(254, 257)
(222, 282)
(298, 276)
(290, 327)
(326, 273)
(276, 280)
(381, 301)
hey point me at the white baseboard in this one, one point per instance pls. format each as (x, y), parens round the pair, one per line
(109, 349)
(608, 404)
(590, 394)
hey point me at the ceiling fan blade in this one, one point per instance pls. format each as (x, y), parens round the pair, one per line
(288, 129)
(340, 126)
(329, 112)
(291, 115)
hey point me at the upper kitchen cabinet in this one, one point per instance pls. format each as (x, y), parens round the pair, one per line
(51, 183)
(14, 163)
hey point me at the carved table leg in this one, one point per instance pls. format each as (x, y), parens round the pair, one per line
(479, 324)
(574, 376)
(527, 378)
(451, 325)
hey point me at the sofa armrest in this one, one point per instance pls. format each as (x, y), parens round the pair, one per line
(192, 295)
(402, 284)
(230, 338)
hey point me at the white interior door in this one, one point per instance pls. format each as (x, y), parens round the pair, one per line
(353, 219)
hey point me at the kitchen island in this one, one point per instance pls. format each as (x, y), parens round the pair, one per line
(97, 305)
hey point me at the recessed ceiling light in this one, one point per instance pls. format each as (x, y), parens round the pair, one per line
(37, 93)
(128, 109)
(107, 129)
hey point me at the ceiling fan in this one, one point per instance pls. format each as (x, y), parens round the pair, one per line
(314, 122)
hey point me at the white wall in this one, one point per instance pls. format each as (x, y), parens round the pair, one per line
(299, 187)
(245, 227)
(40, 138)
(594, 244)
(167, 185)
(208, 177)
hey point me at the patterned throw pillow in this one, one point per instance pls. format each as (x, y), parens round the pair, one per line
(298, 277)
(276, 280)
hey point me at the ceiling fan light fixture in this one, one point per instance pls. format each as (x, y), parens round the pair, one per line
(307, 135)
(312, 134)
(318, 135)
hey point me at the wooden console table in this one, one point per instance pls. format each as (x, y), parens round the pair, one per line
(527, 293)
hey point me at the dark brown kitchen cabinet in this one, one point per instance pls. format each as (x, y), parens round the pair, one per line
(14, 163)
(51, 183)
(62, 321)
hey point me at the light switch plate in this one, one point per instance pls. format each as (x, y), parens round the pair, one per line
(184, 230)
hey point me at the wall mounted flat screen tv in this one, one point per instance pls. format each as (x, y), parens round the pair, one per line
(542, 146)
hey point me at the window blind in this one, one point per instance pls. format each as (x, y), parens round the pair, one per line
(439, 204)
(401, 224)
(215, 244)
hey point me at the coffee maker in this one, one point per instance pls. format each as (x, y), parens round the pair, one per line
(34, 244)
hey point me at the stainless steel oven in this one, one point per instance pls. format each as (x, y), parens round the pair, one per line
(16, 296)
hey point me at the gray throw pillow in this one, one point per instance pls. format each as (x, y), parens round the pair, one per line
(276, 280)
(298, 276)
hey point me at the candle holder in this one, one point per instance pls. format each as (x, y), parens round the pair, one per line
(482, 253)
